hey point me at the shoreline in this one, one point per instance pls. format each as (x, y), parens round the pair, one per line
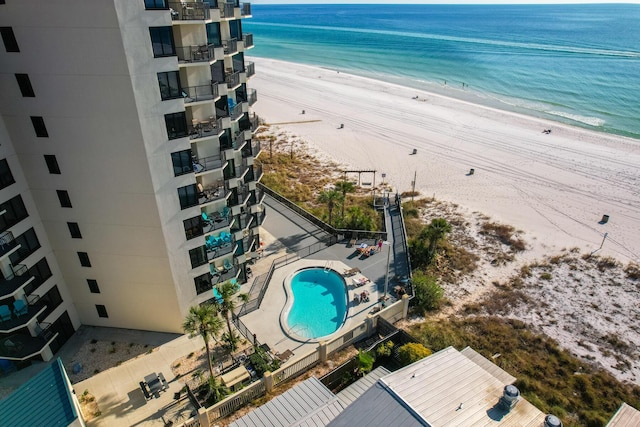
(555, 187)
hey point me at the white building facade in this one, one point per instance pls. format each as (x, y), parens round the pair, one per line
(127, 129)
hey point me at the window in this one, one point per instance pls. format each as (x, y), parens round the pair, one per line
(41, 272)
(213, 34)
(6, 177)
(155, 4)
(188, 196)
(102, 310)
(84, 259)
(176, 125)
(93, 286)
(170, 85)
(182, 162)
(29, 243)
(39, 127)
(9, 39)
(162, 41)
(74, 229)
(203, 283)
(52, 164)
(25, 85)
(193, 227)
(198, 256)
(63, 196)
(15, 212)
(52, 300)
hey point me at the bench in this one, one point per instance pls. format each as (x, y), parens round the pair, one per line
(143, 387)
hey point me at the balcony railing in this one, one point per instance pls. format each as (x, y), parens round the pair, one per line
(236, 112)
(22, 346)
(242, 222)
(247, 38)
(250, 69)
(221, 275)
(205, 128)
(198, 53)
(230, 46)
(232, 79)
(15, 281)
(218, 251)
(245, 9)
(199, 93)
(255, 122)
(240, 142)
(213, 192)
(217, 222)
(253, 96)
(16, 322)
(227, 9)
(205, 164)
(189, 11)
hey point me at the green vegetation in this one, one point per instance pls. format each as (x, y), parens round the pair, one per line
(226, 304)
(550, 378)
(203, 320)
(412, 352)
(261, 362)
(428, 293)
(330, 198)
(423, 247)
(365, 362)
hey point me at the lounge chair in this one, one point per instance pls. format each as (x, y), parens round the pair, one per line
(227, 265)
(5, 313)
(225, 237)
(351, 272)
(360, 281)
(20, 308)
(206, 219)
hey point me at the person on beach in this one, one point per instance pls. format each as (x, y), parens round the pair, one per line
(379, 245)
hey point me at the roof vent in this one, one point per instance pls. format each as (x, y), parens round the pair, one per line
(509, 398)
(552, 421)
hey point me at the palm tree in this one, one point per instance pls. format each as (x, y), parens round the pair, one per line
(227, 304)
(345, 187)
(434, 232)
(203, 320)
(330, 197)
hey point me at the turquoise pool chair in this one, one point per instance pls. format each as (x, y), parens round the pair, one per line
(225, 237)
(206, 219)
(225, 212)
(20, 308)
(227, 265)
(5, 313)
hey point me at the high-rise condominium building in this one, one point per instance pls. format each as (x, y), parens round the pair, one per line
(127, 177)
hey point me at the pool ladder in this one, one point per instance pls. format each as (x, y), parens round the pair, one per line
(327, 266)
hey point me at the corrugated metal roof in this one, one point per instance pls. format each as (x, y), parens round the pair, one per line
(450, 389)
(322, 416)
(355, 390)
(290, 407)
(43, 400)
(626, 416)
(488, 366)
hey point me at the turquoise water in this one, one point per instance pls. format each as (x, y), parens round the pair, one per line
(577, 64)
(319, 303)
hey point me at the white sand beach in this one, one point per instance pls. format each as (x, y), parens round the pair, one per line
(554, 187)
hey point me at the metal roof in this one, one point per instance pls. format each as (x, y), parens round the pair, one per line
(355, 390)
(293, 406)
(626, 416)
(43, 400)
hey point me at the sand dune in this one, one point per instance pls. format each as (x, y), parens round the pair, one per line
(555, 187)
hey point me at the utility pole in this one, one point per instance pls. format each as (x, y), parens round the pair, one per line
(413, 185)
(386, 276)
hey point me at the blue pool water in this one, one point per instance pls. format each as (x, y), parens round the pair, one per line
(319, 303)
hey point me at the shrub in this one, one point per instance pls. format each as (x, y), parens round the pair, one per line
(412, 352)
(384, 349)
(428, 293)
(546, 276)
(365, 362)
(633, 271)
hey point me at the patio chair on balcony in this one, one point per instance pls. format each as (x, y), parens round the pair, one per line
(225, 212)
(225, 237)
(20, 308)
(227, 265)
(212, 243)
(207, 220)
(5, 313)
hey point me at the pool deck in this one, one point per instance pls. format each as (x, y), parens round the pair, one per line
(285, 232)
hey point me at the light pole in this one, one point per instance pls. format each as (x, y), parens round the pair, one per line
(386, 277)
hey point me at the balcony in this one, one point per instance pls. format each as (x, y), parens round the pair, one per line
(189, 11)
(33, 310)
(230, 46)
(199, 53)
(253, 96)
(227, 9)
(216, 222)
(232, 79)
(7, 244)
(242, 222)
(247, 38)
(239, 142)
(250, 69)
(255, 122)
(254, 174)
(217, 248)
(193, 94)
(205, 164)
(245, 9)
(213, 192)
(205, 128)
(236, 112)
(18, 280)
(23, 346)
(221, 274)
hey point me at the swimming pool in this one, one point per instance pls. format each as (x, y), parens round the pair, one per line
(316, 303)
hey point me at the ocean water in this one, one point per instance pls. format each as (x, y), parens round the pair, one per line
(577, 64)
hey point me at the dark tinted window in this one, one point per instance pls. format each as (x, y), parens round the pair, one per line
(198, 256)
(6, 177)
(84, 259)
(29, 243)
(52, 164)
(176, 125)
(93, 286)
(203, 283)
(40, 272)
(169, 85)
(25, 85)
(9, 39)
(52, 299)
(193, 227)
(182, 162)
(102, 310)
(39, 127)
(188, 196)
(155, 4)
(63, 196)
(162, 41)
(15, 212)
(74, 229)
